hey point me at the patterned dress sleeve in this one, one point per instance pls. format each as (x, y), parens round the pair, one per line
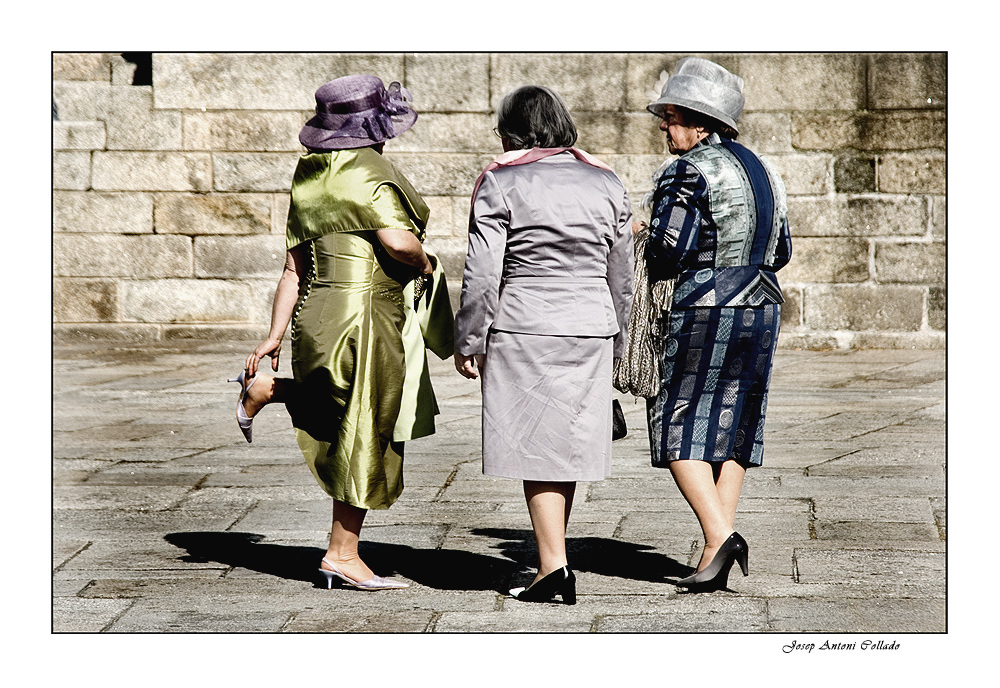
(680, 208)
(783, 251)
(783, 247)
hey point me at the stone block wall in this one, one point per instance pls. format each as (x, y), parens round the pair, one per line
(169, 200)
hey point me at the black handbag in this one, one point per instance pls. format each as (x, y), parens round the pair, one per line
(618, 427)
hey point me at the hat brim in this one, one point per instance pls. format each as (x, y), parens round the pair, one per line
(314, 135)
(658, 108)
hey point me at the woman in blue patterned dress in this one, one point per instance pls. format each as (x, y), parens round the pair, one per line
(718, 228)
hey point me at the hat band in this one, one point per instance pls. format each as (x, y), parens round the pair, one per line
(376, 126)
(373, 122)
(346, 107)
(392, 100)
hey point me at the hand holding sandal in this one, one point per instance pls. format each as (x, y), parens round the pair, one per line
(245, 421)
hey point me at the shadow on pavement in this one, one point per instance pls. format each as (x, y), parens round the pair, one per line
(604, 556)
(441, 569)
(246, 551)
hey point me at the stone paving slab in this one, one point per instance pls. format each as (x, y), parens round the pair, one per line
(872, 567)
(684, 615)
(321, 621)
(102, 524)
(185, 615)
(118, 497)
(864, 531)
(79, 615)
(818, 615)
(166, 520)
(883, 508)
(878, 487)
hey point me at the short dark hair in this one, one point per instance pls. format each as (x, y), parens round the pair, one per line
(535, 117)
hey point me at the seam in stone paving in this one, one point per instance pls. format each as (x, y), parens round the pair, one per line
(73, 556)
(835, 458)
(793, 425)
(431, 626)
(898, 424)
(128, 608)
(239, 518)
(451, 478)
(618, 528)
(448, 527)
(811, 520)
(90, 584)
(186, 495)
(447, 483)
(284, 626)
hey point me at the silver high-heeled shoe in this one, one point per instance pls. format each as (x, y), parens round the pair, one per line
(245, 421)
(375, 583)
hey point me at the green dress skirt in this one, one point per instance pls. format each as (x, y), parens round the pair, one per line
(349, 365)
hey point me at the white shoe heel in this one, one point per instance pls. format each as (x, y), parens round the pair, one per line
(245, 422)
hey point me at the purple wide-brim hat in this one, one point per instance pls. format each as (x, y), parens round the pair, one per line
(357, 111)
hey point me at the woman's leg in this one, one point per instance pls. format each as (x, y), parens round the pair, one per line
(344, 537)
(570, 491)
(729, 482)
(267, 390)
(697, 482)
(549, 504)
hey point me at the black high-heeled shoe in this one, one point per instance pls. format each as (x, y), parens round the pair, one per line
(560, 582)
(715, 576)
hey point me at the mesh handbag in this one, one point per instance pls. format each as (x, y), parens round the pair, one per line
(638, 371)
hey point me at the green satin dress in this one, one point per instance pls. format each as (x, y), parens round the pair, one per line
(357, 346)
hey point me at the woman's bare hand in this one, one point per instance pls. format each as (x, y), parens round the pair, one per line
(268, 347)
(466, 365)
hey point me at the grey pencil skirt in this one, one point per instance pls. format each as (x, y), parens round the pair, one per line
(547, 407)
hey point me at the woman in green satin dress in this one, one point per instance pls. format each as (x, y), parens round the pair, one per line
(354, 263)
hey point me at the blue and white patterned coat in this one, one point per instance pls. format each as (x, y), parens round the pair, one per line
(719, 226)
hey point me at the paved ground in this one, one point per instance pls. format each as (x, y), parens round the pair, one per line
(164, 519)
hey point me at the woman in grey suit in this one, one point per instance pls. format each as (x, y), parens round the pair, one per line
(546, 294)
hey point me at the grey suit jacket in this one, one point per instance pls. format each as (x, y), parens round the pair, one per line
(550, 252)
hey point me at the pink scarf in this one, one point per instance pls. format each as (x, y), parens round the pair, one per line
(523, 157)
